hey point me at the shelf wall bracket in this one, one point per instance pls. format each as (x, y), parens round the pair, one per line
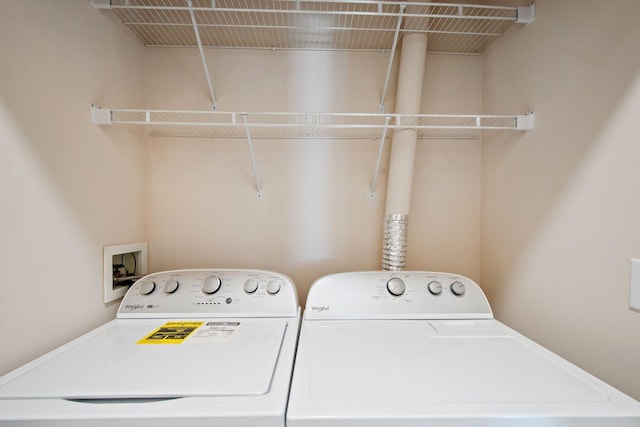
(526, 14)
(526, 121)
(253, 159)
(100, 116)
(396, 36)
(214, 101)
(101, 4)
(372, 191)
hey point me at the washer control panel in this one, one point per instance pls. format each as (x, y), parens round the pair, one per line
(210, 293)
(396, 295)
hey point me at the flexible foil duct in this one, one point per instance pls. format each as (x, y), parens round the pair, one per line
(395, 242)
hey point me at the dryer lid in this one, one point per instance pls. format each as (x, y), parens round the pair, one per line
(434, 362)
(218, 357)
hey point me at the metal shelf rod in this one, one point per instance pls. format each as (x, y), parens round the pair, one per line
(253, 159)
(214, 101)
(341, 12)
(372, 192)
(315, 115)
(391, 56)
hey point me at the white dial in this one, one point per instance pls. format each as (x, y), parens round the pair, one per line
(435, 287)
(250, 286)
(396, 286)
(273, 287)
(211, 285)
(147, 287)
(170, 286)
(457, 288)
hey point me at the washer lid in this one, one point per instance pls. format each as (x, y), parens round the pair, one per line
(138, 359)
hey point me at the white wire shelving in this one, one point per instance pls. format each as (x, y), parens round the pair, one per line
(339, 25)
(362, 25)
(279, 125)
(333, 126)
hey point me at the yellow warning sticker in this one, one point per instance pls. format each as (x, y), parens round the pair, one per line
(171, 333)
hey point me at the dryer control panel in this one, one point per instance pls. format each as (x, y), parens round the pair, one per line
(211, 293)
(396, 295)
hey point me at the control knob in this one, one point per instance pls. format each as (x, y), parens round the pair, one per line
(435, 287)
(147, 287)
(396, 286)
(457, 288)
(211, 285)
(250, 286)
(170, 286)
(273, 287)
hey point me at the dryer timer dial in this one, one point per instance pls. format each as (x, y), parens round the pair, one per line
(396, 286)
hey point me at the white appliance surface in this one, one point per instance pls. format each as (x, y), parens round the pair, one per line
(193, 347)
(422, 349)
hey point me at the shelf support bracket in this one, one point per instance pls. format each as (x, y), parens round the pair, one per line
(100, 116)
(526, 14)
(392, 54)
(253, 159)
(372, 192)
(214, 101)
(526, 121)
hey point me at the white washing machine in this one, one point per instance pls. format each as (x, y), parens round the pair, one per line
(391, 349)
(188, 348)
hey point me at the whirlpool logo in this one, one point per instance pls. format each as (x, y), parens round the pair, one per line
(134, 306)
(320, 308)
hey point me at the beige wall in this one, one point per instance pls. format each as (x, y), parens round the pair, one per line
(316, 217)
(67, 187)
(561, 204)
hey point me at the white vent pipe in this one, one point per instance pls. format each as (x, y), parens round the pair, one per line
(403, 150)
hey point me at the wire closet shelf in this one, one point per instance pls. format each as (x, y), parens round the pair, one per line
(360, 25)
(276, 125)
(342, 25)
(351, 25)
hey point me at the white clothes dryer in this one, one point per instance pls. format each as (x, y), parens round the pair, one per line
(210, 347)
(408, 349)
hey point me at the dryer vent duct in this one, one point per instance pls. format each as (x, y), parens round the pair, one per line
(395, 242)
(403, 151)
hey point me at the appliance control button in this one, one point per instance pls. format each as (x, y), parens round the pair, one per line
(273, 287)
(250, 286)
(170, 286)
(435, 287)
(396, 286)
(457, 288)
(211, 285)
(147, 287)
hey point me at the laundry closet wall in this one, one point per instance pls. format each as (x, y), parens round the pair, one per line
(67, 187)
(561, 204)
(316, 216)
